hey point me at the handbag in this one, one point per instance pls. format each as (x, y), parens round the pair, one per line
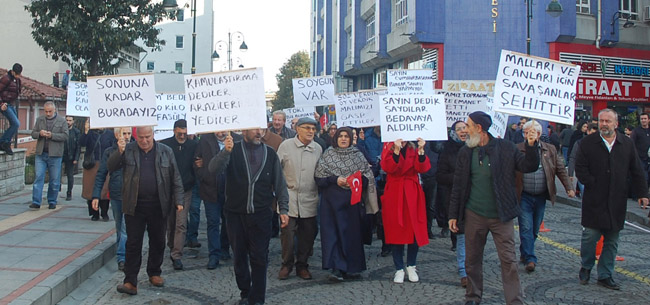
(89, 158)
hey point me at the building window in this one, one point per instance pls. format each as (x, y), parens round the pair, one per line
(179, 68)
(582, 7)
(629, 9)
(180, 15)
(401, 12)
(150, 66)
(179, 42)
(370, 30)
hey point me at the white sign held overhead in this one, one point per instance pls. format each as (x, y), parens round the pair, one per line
(460, 104)
(410, 81)
(77, 101)
(300, 112)
(536, 87)
(171, 108)
(313, 91)
(223, 101)
(499, 120)
(358, 109)
(408, 117)
(161, 134)
(122, 100)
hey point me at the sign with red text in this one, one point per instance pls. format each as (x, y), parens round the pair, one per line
(536, 87)
(77, 100)
(122, 100)
(224, 101)
(616, 90)
(408, 117)
(313, 91)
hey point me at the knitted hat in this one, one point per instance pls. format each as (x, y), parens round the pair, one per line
(481, 118)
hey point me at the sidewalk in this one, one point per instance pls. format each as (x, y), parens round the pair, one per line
(46, 254)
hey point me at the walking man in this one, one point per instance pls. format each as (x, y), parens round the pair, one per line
(603, 162)
(151, 188)
(641, 138)
(254, 180)
(71, 152)
(278, 125)
(51, 132)
(484, 200)
(10, 87)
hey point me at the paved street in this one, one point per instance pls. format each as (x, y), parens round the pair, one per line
(554, 282)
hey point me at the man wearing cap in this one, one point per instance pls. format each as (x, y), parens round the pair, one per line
(484, 200)
(298, 157)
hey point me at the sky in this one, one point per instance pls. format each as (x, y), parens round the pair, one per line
(273, 30)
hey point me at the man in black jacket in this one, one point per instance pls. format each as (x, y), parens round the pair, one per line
(71, 152)
(484, 199)
(603, 162)
(10, 87)
(254, 179)
(641, 138)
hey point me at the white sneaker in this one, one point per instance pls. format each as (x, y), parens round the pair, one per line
(399, 276)
(412, 274)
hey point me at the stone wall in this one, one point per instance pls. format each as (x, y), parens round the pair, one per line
(12, 172)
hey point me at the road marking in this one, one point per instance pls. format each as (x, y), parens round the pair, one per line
(630, 274)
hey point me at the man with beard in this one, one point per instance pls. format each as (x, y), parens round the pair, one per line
(603, 162)
(484, 200)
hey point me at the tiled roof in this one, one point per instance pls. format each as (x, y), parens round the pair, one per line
(36, 90)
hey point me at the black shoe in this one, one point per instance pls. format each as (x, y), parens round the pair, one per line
(431, 235)
(471, 303)
(584, 275)
(351, 276)
(453, 248)
(213, 263)
(51, 206)
(178, 264)
(336, 276)
(7, 148)
(609, 283)
(105, 218)
(94, 218)
(193, 244)
(120, 266)
(444, 232)
(68, 196)
(243, 301)
(34, 206)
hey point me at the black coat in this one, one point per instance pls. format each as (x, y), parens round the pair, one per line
(446, 169)
(604, 174)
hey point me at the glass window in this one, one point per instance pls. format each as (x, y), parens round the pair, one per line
(583, 6)
(180, 15)
(370, 30)
(150, 65)
(629, 9)
(401, 12)
(179, 42)
(179, 67)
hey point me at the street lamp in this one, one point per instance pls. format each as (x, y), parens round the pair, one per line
(228, 44)
(171, 5)
(626, 25)
(554, 9)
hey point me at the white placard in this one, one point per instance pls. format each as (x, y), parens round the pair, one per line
(77, 101)
(408, 117)
(536, 87)
(410, 82)
(499, 120)
(358, 109)
(301, 112)
(460, 104)
(313, 91)
(225, 101)
(161, 134)
(170, 108)
(122, 100)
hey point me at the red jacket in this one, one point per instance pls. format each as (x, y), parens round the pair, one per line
(9, 88)
(403, 205)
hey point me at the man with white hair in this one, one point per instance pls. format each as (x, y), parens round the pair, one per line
(278, 125)
(535, 188)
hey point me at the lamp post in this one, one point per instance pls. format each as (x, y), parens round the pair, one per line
(554, 9)
(171, 5)
(219, 45)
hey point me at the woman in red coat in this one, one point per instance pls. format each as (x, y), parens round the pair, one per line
(403, 204)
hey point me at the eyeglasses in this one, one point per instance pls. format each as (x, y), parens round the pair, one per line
(308, 128)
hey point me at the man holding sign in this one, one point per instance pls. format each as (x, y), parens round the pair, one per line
(484, 199)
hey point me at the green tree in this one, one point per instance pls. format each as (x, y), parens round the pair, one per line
(88, 34)
(296, 67)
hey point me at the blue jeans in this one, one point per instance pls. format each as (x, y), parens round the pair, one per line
(53, 166)
(195, 216)
(411, 255)
(565, 152)
(14, 123)
(120, 229)
(588, 250)
(213, 216)
(460, 254)
(532, 214)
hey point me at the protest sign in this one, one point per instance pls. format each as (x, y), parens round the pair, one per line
(410, 81)
(408, 117)
(301, 112)
(122, 100)
(161, 134)
(358, 109)
(499, 120)
(77, 101)
(313, 91)
(223, 101)
(170, 108)
(536, 87)
(459, 105)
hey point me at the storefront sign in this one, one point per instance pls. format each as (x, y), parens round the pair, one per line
(598, 89)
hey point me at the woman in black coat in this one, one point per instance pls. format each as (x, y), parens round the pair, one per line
(581, 131)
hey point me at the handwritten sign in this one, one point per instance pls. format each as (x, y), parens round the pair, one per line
(161, 134)
(412, 82)
(225, 101)
(459, 105)
(499, 120)
(313, 91)
(302, 112)
(77, 101)
(408, 117)
(170, 108)
(359, 109)
(536, 87)
(122, 100)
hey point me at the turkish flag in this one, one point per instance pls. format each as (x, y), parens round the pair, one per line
(323, 120)
(356, 186)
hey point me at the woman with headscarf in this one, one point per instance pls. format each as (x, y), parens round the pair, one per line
(341, 220)
(403, 204)
(445, 177)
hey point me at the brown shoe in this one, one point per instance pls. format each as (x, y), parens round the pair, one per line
(284, 273)
(156, 281)
(127, 288)
(303, 273)
(463, 282)
(530, 267)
